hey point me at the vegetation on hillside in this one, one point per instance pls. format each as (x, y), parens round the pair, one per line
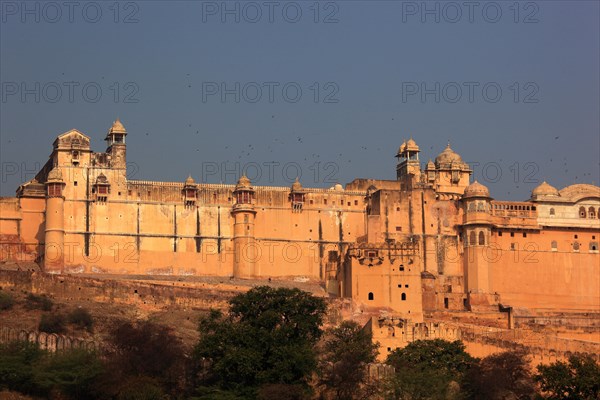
(271, 345)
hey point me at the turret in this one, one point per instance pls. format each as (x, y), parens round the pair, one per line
(245, 248)
(408, 161)
(115, 139)
(54, 250)
(477, 227)
(297, 196)
(190, 192)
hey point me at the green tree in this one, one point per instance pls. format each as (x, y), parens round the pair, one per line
(70, 372)
(425, 369)
(347, 351)
(268, 337)
(17, 361)
(579, 378)
(500, 376)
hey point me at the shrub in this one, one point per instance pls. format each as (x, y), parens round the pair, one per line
(81, 318)
(52, 323)
(41, 302)
(6, 301)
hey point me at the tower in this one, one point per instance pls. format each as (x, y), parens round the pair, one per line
(408, 167)
(477, 232)
(244, 246)
(54, 249)
(117, 154)
(115, 139)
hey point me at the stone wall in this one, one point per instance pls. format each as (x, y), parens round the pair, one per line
(47, 341)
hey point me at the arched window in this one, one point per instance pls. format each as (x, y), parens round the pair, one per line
(593, 246)
(575, 246)
(481, 239)
(403, 297)
(370, 295)
(554, 245)
(581, 212)
(552, 212)
(471, 207)
(472, 241)
(592, 212)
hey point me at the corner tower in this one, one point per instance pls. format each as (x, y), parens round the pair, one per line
(244, 246)
(54, 246)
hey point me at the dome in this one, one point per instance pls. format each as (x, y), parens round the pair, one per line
(338, 187)
(55, 175)
(544, 189)
(448, 156)
(190, 180)
(476, 189)
(411, 145)
(244, 183)
(117, 127)
(401, 149)
(297, 186)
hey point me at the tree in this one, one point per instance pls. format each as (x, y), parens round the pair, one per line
(70, 372)
(347, 351)
(52, 323)
(425, 369)
(6, 301)
(17, 361)
(579, 378)
(81, 318)
(143, 350)
(268, 337)
(500, 376)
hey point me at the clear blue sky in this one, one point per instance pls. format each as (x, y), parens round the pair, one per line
(370, 61)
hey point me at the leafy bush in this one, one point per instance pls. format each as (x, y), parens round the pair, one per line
(52, 323)
(81, 318)
(579, 378)
(41, 302)
(6, 301)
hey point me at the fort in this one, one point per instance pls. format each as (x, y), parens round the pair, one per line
(427, 243)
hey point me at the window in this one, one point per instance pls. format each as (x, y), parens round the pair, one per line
(554, 245)
(102, 190)
(552, 212)
(398, 229)
(481, 239)
(524, 234)
(355, 202)
(512, 234)
(74, 183)
(513, 246)
(582, 212)
(472, 239)
(575, 246)
(370, 295)
(499, 233)
(403, 297)
(446, 302)
(592, 212)
(54, 189)
(371, 254)
(401, 267)
(593, 246)
(325, 201)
